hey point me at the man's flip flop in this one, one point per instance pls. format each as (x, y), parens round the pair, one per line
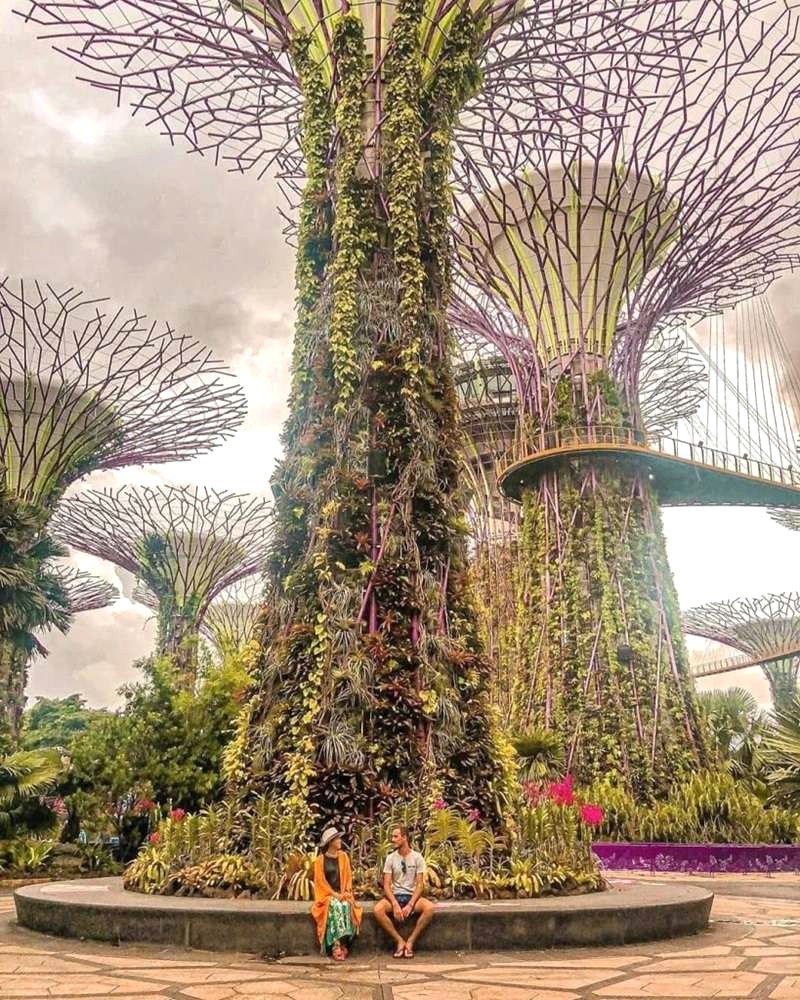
(408, 952)
(400, 951)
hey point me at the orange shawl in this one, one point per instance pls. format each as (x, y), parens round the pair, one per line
(323, 893)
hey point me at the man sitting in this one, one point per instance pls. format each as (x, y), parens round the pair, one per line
(403, 877)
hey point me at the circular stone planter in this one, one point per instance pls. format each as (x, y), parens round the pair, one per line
(100, 909)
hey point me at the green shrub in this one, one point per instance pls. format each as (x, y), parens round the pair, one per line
(707, 807)
(547, 850)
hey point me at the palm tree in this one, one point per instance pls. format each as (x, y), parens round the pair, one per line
(783, 755)
(31, 598)
(738, 728)
(24, 776)
(541, 755)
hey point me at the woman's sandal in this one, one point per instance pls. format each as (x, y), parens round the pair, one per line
(400, 950)
(338, 953)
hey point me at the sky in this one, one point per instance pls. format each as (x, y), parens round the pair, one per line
(94, 200)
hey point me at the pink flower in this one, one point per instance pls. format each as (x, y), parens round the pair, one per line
(592, 815)
(474, 815)
(440, 804)
(154, 838)
(561, 793)
(143, 805)
(177, 815)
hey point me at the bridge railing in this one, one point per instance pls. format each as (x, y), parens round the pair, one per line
(739, 661)
(697, 452)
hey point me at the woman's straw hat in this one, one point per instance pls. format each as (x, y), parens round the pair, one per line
(327, 836)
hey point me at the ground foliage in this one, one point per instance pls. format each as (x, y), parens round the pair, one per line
(709, 807)
(546, 850)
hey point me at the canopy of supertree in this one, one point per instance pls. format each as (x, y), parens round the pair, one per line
(185, 545)
(232, 618)
(85, 385)
(682, 204)
(765, 628)
(85, 591)
(371, 688)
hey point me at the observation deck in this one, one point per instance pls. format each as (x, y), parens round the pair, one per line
(682, 474)
(741, 661)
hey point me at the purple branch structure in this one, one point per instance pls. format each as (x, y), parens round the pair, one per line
(766, 629)
(184, 545)
(85, 592)
(221, 78)
(85, 385)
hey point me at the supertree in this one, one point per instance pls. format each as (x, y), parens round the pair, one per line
(372, 687)
(184, 545)
(86, 386)
(766, 629)
(681, 206)
(232, 618)
(673, 385)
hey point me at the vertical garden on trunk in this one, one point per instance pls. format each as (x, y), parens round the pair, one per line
(372, 685)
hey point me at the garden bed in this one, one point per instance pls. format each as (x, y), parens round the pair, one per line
(736, 858)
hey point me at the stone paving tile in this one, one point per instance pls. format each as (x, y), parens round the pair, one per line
(711, 951)
(779, 966)
(538, 976)
(32, 985)
(188, 976)
(766, 950)
(735, 984)
(141, 962)
(597, 961)
(39, 963)
(690, 964)
(789, 989)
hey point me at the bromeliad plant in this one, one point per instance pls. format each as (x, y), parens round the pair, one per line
(546, 851)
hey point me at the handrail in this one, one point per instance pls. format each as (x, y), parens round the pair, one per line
(566, 438)
(739, 661)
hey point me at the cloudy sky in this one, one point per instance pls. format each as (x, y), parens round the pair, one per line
(94, 200)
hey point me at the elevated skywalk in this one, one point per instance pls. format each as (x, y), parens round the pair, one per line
(741, 661)
(682, 473)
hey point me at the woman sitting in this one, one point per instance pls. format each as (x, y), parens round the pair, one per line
(334, 911)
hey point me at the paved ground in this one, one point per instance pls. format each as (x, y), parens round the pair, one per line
(752, 950)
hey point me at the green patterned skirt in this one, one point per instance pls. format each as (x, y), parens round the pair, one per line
(340, 925)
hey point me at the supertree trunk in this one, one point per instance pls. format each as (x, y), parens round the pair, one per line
(600, 652)
(374, 689)
(598, 631)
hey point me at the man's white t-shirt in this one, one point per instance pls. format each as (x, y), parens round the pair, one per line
(404, 871)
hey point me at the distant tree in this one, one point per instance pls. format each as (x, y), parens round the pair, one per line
(55, 722)
(163, 746)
